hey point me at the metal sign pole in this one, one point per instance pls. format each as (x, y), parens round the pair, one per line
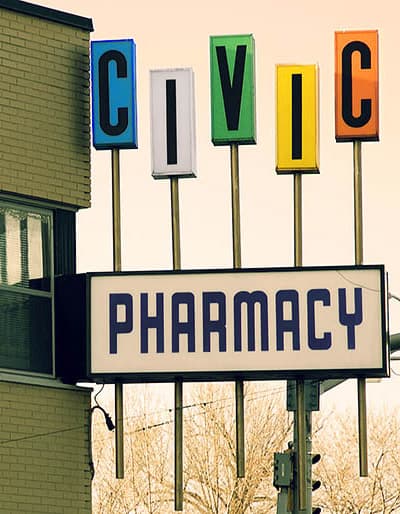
(178, 425)
(119, 398)
(300, 412)
(358, 250)
(350, 83)
(237, 259)
(173, 121)
(358, 221)
(176, 237)
(297, 153)
(233, 122)
(115, 130)
(237, 263)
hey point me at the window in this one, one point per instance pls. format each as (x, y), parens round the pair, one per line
(26, 289)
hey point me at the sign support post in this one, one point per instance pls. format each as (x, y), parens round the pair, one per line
(118, 388)
(236, 241)
(297, 153)
(357, 120)
(233, 123)
(178, 421)
(358, 250)
(174, 157)
(237, 263)
(113, 70)
(300, 412)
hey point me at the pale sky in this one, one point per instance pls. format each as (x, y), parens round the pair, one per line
(175, 34)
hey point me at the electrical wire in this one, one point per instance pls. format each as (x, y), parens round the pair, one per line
(249, 397)
(347, 279)
(97, 394)
(42, 434)
(110, 426)
(252, 396)
(391, 296)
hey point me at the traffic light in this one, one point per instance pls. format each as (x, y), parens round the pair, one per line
(283, 469)
(283, 480)
(315, 484)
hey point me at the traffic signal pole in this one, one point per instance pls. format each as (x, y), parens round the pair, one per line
(311, 403)
(285, 468)
(286, 476)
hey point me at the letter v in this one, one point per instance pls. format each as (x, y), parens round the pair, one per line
(232, 91)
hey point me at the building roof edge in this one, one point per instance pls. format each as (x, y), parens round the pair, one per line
(48, 14)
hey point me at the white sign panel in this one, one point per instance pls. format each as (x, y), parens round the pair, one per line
(205, 325)
(172, 123)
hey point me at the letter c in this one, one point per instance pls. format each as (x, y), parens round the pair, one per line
(314, 342)
(347, 84)
(104, 93)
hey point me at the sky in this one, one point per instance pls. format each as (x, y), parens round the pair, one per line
(176, 34)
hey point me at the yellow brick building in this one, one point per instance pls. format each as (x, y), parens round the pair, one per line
(44, 180)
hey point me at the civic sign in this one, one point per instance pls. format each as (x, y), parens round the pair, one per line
(227, 324)
(114, 111)
(356, 85)
(297, 134)
(232, 89)
(172, 123)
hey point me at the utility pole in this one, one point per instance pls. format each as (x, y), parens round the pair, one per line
(311, 404)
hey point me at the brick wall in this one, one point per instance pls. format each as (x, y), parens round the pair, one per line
(44, 109)
(44, 450)
(45, 156)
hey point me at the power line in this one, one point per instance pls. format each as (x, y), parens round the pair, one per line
(43, 434)
(250, 397)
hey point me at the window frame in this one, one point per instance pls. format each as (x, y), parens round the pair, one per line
(35, 209)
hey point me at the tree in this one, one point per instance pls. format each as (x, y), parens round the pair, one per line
(147, 486)
(342, 490)
(210, 483)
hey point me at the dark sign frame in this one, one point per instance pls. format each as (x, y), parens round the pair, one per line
(84, 282)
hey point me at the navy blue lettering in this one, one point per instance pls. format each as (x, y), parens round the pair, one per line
(183, 327)
(119, 327)
(314, 342)
(350, 320)
(250, 299)
(147, 322)
(211, 325)
(287, 325)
